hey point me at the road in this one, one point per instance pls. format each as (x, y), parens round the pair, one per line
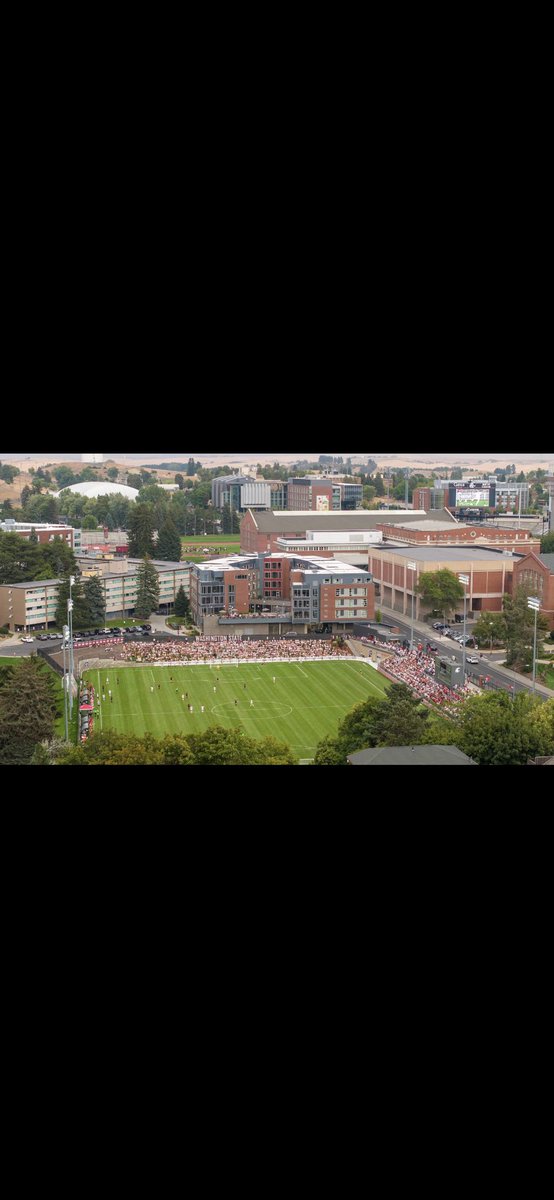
(487, 665)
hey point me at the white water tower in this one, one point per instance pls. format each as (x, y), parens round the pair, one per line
(92, 458)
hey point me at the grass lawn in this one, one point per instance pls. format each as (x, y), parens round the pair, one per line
(306, 702)
(222, 543)
(547, 678)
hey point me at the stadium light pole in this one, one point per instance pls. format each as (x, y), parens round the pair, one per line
(64, 642)
(533, 603)
(71, 662)
(411, 566)
(465, 580)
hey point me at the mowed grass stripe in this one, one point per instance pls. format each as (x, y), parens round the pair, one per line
(300, 708)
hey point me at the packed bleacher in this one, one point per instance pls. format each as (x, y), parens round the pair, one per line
(416, 668)
(203, 649)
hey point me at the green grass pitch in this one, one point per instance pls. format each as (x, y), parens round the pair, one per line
(306, 702)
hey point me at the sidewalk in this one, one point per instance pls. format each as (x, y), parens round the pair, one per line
(431, 635)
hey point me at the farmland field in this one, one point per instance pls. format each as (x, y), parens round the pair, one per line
(306, 702)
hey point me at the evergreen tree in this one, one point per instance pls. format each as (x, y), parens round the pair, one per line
(94, 600)
(182, 606)
(148, 590)
(179, 480)
(80, 608)
(33, 537)
(379, 484)
(28, 708)
(169, 542)
(141, 529)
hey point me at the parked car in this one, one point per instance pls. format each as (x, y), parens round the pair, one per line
(42, 637)
(472, 658)
(147, 627)
(27, 639)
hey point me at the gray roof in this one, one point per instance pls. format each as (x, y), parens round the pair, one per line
(294, 522)
(412, 756)
(548, 560)
(435, 551)
(33, 583)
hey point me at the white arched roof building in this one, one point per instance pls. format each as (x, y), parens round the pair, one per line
(93, 490)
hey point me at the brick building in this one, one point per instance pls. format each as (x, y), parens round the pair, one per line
(32, 605)
(260, 532)
(298, 589)
(45, 532)
(536, 572)
(422, 531)
(322, 495)
(490, 575)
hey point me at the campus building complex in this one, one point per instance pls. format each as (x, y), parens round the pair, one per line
(536, 573)
(46, 532)
(478, 496)
(32, 605)
(491, 574)
(261, 531)
(289, 589)
(433, 531)
(306, 492)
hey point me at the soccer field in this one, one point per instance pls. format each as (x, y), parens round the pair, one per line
(305, 703)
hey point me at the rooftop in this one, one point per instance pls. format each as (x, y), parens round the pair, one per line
(411, 756)
(548, 560)
(32, 583)
(319, 522)
(435, 552)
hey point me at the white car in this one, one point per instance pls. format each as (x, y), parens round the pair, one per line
(470, 658)
(27, 639)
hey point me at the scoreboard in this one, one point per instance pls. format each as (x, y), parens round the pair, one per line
(449, 672)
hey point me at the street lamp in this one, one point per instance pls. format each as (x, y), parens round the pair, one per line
(491, 627)
(412, 567)
(534, 603)
(465, 580)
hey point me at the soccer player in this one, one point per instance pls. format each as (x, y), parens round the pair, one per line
(251, 704)
(215, 689)
(182, 695)
(201, 708)
(151, 689)
(274, 679)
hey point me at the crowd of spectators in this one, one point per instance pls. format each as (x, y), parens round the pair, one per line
(416, 668)
(202, 649)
